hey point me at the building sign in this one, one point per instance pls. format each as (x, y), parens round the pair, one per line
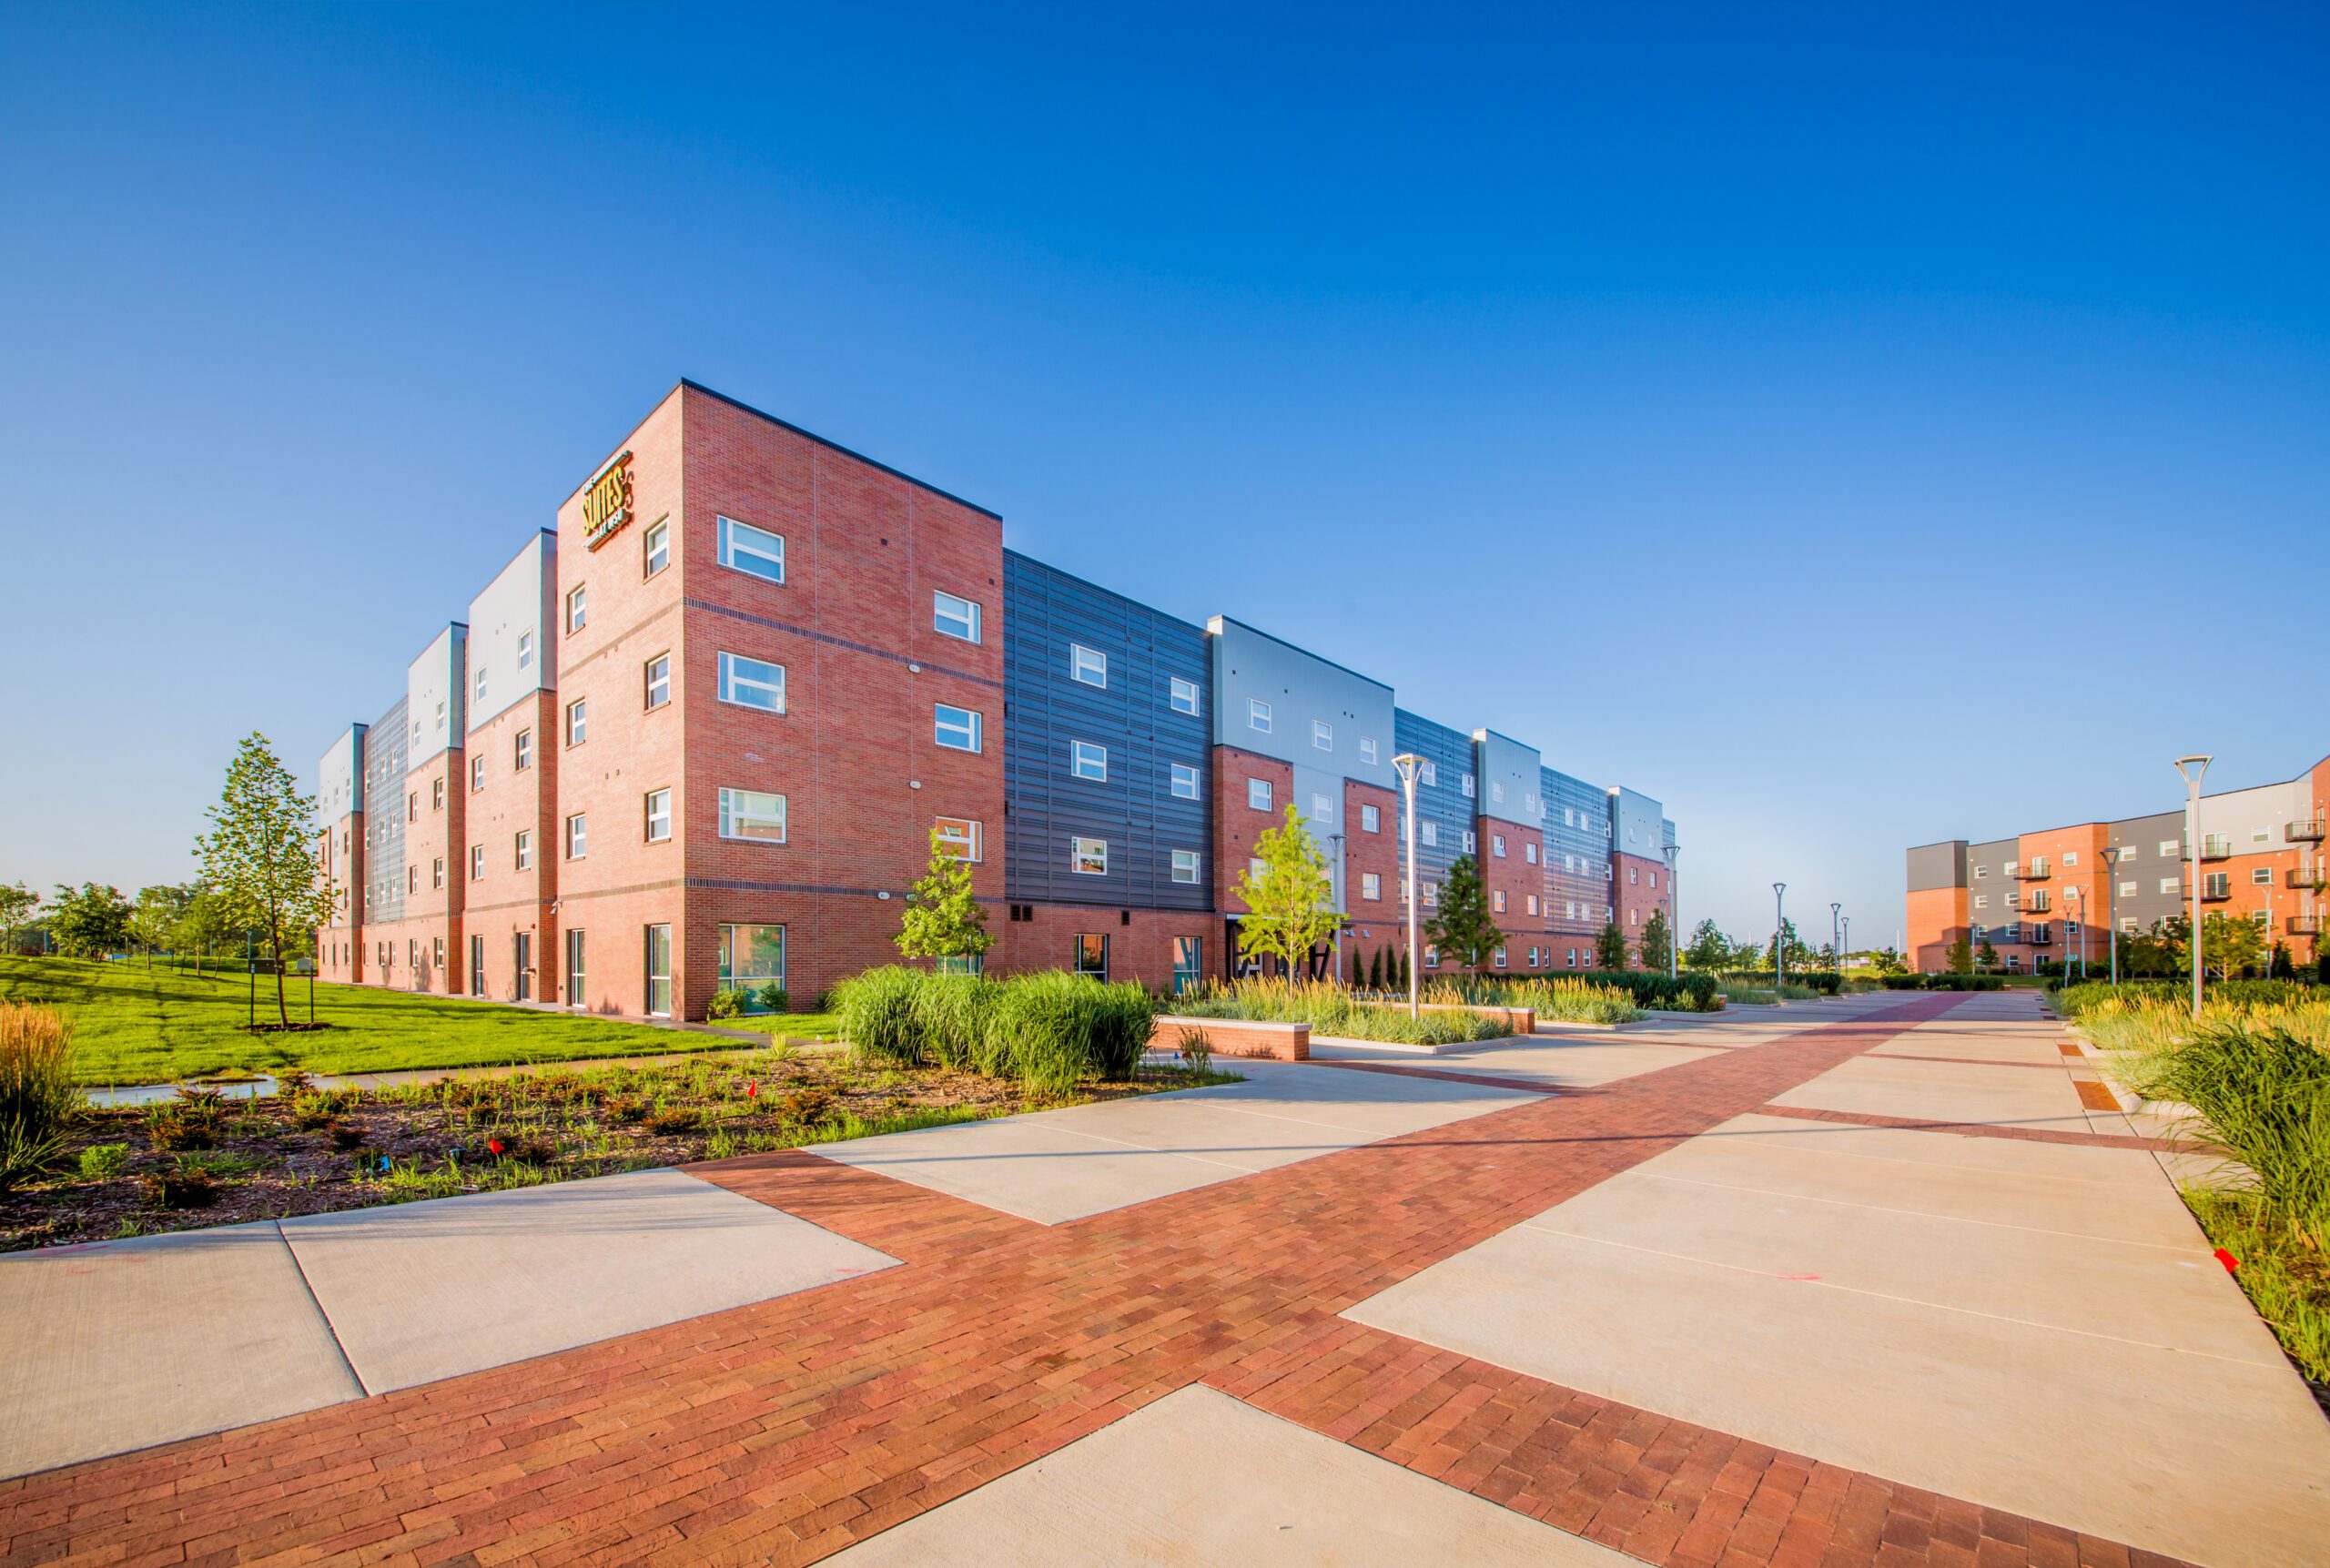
(606, 504)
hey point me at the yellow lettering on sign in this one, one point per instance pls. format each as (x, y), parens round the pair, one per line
(606, 505)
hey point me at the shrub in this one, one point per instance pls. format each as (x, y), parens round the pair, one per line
(1197, 1049)
(773, 997)
(171, 1127)
(725, 1004)
(1048, 1023)
(187, 1187)
(38, 1099)
(1123, 1018)
(876, 1015)
(103, 1161)
(671, 1120)
(806, 1106)
(950, 1015)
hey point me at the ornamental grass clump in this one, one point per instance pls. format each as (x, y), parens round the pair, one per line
(876, 1010)
(1047, 1025)
(1583, 1002)
(951, 1017)
(38, 1098)
(2263, 1095)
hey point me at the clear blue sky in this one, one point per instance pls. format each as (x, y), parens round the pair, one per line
(1827, 421)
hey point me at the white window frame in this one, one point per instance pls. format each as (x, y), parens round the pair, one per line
(1472, 786)
(578, 836)
(524, 849)
(655, 549)
(1087, 857)
(1322, 736)
(655, 682)
(1321, 808)
(658, 813)
(578, 721)
(1367, 750)
(1258, 716)
(1185, 860)
(1257, 795)
(731, 809)
(1371, 819)
(1429, 833)
(1088, 761)
(967, 845)
(972, 728)
(965, 627)
(525, 650)
(1429, 775)
(733, 552)
(1181, 773)
(735, 682)
(1371, 885)
(1182, 695)
(477, 862)
(578, 608)
(1496, 845)
(521, 751)
(477, 773)
(1088, 666)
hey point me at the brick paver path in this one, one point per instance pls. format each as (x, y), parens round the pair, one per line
(784, 1430)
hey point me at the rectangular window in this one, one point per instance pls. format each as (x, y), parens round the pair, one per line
(1469, 786)
(522, 750)
(1496, 845)
(752, 683)
(2070, 858)
(578, 836)
(477, 862)
(2170, 885)
(1187, 969)
(1431, 955)
(478, 701)
(435, 794)
(954, 617)
(412, 879)
(1367, 750)
(1531, 902)
(1087, 664)
(957, 729)
(1092, 955)
(752, 957)
(1089, 856)
(1982, 871)
(1184, 697)
(525, 650)
(2127, 889)
(477, 966)
(2263, 876)
(1497, 792)
(1529, 851)
(525, 847)
(1258, 793)
(1472, 841)
(437, 872)
(1498, 958)
(1371, 819)
(656, 546)
(578, 608)
(1429, 775)
(757, 551)
(577, 721)
(1323, 808)
(2170, 846)
(1255, 866)
(1496, 901)
(658, 671)
(961, 837)
(1323, 734)
(574, 968)
(1185, 781)
(1185, 865)
(477, 775)
(659, 815)
(751, 813)
(1258, 714)
(1087, 760)
(658, 988)
(1982, 901)
(1371, 887)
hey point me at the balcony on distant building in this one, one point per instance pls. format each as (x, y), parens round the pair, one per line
(2304, 925)
(2216, 846)
(2303, 832)
(2038, 870)
(2306, 875)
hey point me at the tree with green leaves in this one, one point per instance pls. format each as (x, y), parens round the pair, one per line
(943, 919)
(157, 914)
(1961, 959)
(1799, 956)
(1461, 927)
(1655, 940)
(89, 921)
(260, 858)
(2229, 944)
(1610, 948)
(1986, 957)
(1289, 902)
(1376, 971)
(1709, 948)
(17, 907)
(1886, 961)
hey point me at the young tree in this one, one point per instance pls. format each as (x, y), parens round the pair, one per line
(1886, 961)
(1709, 948)
(1799, 956)
(1376, 971)
(159, 909)
(1463, 925)
(259, 858)
(202, 924)
(1290, 905)
(1405, 960)
(943, 919)
(89, 922)
(1654, 941)
(1960, 960)
(2230, 943)
(1610, 948)
(18, 905)
(1986, 957)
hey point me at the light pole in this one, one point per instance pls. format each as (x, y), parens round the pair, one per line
(2199, 765)
(1335, 943)
(1837, 936)
(1674, 913)
(2111, 921)
(2071, 917)
(1847, 939)
(1408, 763)
(1779, 938)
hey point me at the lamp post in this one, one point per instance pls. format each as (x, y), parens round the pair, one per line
(1408, 763)
(2191, 769)
(1674, 913)
(2071, 917)
(1846, 947)
(1837, 936)
(1779, 937)
(2111, 921)
(1343, 908)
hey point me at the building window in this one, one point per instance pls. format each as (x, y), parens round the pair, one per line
(961, 837)
(525, 848)
(954, 617)
(522, 750)
(525, 650)
(1497, 792)
(578, 836)
(1188, 967)
(2170, 885)
(1633, 876)
(1185, 781)
(1367, 750)
(1323, 808)
(1255, 866)
(1181, 694)
(477, 862)
(1432, 895)
(1089, 856)
(1429, 775)
(1087, 760)
(658, 989)
(1980, 871)
(437, 872)
(2127, 889)
(1322, 736)
(659, 680)
(1496, 901)
(1432, 957)
(1429, 833)
(1092, 955)
(478, 701)
(1469, 786)
(574, 968)
(1258, 793)
(752, 683)
(1531, 902)
(1496, 845)
(1185, 865)
(1529, 851)
(657, 546)
(477, 775)
(2261, 876)
(1371, 887)
(2070, 858)
(752, 957)
(578, 608)
(750, 814)
(1371, 819)
(412, 879)
(757, 551)
(1258, 714)
(1088, 665)
(2169, 847)
(1982, 901)
(1497, 958)
(957, 729)
(577, 721)
(659, 815)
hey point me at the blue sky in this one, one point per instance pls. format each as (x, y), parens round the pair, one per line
(1828, 421)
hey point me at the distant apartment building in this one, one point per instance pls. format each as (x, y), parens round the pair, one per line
(2061, 893)
(698, 736)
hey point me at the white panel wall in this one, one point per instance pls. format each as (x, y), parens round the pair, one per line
(432, 689)
(511, 639)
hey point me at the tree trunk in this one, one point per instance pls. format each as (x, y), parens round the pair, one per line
(275, 939)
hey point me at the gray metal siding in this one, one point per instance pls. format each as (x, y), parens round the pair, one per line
(1935, 865)
(387, 744)
(1577, 851)
(2146, 867)
(1441, 804)
(1044, 712)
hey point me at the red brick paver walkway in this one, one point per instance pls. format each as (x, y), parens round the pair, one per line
(784, 1430)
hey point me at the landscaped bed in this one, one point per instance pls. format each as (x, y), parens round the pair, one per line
(200, 1159)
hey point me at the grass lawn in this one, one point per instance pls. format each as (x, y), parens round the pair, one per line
(133, 1025)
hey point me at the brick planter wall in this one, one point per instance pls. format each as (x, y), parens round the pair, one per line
(1237, 1037)
(1520, 1020)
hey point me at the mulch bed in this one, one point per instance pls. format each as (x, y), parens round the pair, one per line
(200, 1161)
